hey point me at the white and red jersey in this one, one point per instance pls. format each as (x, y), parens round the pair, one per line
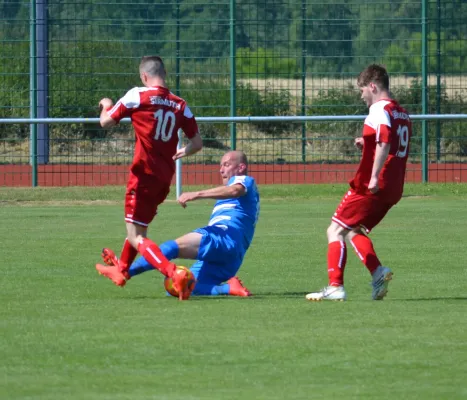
(387, 122)
(156, 115)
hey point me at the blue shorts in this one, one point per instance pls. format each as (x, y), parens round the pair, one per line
(220, 255)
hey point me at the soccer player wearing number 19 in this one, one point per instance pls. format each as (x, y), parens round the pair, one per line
(156, 115)
(376, 187)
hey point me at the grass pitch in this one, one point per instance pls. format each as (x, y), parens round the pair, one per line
(68, 333)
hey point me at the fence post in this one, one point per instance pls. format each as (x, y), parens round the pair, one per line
(33, 90)
(178, 167)
(438, 78)
(177, 50)
(42, 81)
(233, 77)
(178, 163)
(303, 79)
(424, 93)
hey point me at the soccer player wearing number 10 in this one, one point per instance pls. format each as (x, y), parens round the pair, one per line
(376, 187)
(156, 115)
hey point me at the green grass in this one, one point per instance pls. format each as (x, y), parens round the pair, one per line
(68, 333)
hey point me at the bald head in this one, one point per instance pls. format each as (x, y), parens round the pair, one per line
(233, 163)
(239, 156)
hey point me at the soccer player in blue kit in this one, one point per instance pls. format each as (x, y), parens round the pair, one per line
(219, 247)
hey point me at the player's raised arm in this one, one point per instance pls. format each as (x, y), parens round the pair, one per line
(217, 193)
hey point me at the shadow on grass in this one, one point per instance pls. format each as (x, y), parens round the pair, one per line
(289, 295)
(192, 298)
(258, 296)
(432, 299)
(281, 294)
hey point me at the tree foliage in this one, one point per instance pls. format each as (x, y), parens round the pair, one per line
(336, 36)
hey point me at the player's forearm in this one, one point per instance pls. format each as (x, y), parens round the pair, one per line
(381, 154)
(190, 149)
(106, 120)
(194, 145)
(221, 192)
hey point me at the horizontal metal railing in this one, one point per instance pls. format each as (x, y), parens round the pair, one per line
(289, 118)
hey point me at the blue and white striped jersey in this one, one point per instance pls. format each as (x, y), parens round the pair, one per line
(239, 215)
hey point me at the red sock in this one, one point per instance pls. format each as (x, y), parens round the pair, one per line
(154, 256)
(363, 246)
(337, 257)
(128, 255)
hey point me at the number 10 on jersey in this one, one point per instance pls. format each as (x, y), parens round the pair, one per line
(165, 125)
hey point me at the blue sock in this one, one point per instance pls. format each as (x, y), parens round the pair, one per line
(221, 289)
(169, 249)
(139, 266)
(203, 289)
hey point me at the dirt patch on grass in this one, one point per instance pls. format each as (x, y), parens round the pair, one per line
(453, 84)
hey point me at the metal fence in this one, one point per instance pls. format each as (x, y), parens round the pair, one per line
(228, 58)
(330, 159)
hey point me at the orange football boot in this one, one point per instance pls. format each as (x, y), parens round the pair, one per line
(113, 273)
(109, 257)
(237, 288)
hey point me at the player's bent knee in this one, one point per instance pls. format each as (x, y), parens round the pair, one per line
(135, 240)
(336, 232)
(354, 232)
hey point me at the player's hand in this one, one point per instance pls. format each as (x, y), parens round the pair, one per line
(185, 198)
(359, 143)
(179, 154)
(106, 103)
(373, 185)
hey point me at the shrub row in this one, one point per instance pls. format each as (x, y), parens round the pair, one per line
(77, 96)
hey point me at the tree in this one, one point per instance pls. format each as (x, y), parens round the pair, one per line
(406, 57)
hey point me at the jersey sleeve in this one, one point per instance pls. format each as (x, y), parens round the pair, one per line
(383, 127)
(126, 105)
(244, 180)
(189, 125)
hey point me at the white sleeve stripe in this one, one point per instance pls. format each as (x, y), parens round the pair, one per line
(131, 99)
(187, 112)
(240, 179)
(388, 119)
(378, 115)
(114, 108)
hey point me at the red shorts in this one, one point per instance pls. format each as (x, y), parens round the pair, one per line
(143, 196)
(360, 210)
